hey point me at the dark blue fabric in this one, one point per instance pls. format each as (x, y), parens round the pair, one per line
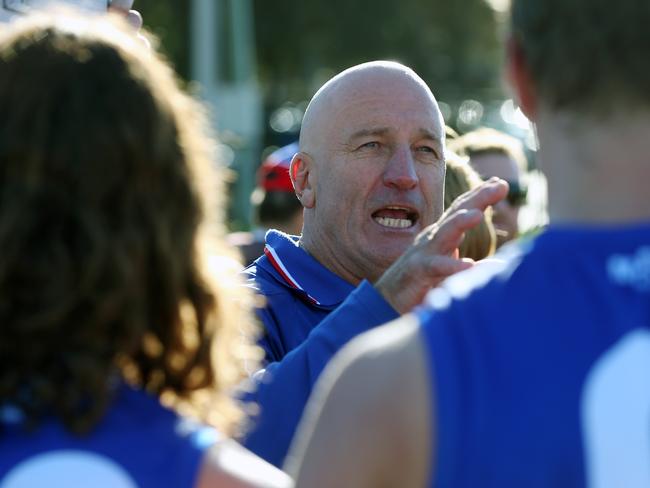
(150, 443)
(301, 336)
(510, 354)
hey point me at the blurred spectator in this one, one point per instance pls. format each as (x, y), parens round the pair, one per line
(494, 153)
(274, 202)
(479, 242)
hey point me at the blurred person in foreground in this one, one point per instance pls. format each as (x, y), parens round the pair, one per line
(536, 373)
(494, 153)
(115, 305)
(370, 175)
(274, 203)
(479, 242)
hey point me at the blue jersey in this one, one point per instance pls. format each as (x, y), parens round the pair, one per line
(309, 315)
(541, 371)
(138, 443)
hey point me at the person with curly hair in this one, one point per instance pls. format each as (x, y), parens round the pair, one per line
(116, 311)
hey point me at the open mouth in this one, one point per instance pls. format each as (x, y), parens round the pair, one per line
(393, 217)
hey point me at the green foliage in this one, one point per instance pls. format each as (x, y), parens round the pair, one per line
(169, 20)
(452, 44)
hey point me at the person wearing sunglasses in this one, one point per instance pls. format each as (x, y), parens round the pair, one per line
(494, 153)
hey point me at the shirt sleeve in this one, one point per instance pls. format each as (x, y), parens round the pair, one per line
(283, 387)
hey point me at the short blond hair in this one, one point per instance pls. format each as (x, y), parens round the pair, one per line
(480, 241)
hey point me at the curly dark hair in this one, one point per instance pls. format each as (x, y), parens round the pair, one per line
(105, 174)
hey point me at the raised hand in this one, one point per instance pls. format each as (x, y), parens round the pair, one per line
(434, 254)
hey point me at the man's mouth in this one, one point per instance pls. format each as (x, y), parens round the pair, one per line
(393, 217)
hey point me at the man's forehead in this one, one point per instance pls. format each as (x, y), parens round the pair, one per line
(386, 116)
(376, 97)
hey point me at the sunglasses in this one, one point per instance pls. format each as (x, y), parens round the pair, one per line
(516, 193)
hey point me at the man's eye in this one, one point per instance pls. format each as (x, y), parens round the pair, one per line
(426, 149)
(369, 145)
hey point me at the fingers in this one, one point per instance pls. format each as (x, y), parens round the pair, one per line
(444, 266)
(465, 213)
(134, 19)
(123, 8)
(446, 235)
(488, 193)
(408, 280)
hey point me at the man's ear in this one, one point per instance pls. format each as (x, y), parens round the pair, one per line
(302, 176)
(519, 78)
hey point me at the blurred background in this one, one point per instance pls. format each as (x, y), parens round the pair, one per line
(260, 61)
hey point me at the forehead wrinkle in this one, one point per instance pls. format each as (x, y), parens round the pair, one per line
(372, 131)
(429, 134)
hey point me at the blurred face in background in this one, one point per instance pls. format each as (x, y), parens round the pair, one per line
(506, 212)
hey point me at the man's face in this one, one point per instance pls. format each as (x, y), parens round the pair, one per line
(505, 216)
(379, 174)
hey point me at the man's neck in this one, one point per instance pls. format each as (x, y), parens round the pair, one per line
(328, 259)
(324, 249)
(598, 173)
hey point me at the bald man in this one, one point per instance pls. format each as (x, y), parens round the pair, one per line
(555, 392)
(370, 176)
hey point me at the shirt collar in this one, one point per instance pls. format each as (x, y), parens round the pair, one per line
(296, 269)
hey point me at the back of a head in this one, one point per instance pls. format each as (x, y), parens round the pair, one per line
(101, 156)
(480, 241)
(586, 55)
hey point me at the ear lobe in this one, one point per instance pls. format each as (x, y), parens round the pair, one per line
(519, 78)
(302, 177)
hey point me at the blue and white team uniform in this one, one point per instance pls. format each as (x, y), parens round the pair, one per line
(541, 371)
(310, 314)
(139, 443)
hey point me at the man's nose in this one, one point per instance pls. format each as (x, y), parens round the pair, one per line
(400, 170)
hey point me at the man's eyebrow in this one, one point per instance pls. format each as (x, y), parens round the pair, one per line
(373, 131)
(429, 134)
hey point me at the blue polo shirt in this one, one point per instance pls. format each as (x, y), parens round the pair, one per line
(310, 314)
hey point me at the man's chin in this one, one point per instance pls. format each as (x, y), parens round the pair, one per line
(386, 255)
